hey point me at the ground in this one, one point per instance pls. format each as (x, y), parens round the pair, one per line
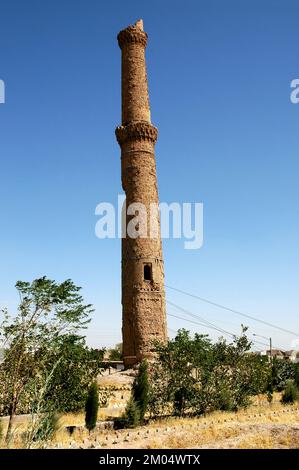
(262, 425)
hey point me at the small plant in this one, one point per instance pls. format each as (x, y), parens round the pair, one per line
(141, 389)
(91, 407)
(290, 394)
(132, 414)
(46, 427)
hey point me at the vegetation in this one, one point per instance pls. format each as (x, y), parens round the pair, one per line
(115, 354)
(282, 372)
(46, 363)
(296, 378)
(92, 406)
(193, 375)
(141, 390)
(132, 414)
(78, 366)
(290, 394)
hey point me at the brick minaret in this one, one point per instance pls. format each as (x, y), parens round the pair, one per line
(143, 297)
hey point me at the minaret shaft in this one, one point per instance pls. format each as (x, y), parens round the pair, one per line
(143, 297)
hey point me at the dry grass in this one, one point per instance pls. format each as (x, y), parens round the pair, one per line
(262, 425)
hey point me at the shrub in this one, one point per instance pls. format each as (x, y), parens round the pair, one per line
(290, 394)
(47, 426)
(282, 372)
(132, 414)
(141, 389)
(91, 407)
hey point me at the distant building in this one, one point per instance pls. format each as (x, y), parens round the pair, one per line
(292, 355)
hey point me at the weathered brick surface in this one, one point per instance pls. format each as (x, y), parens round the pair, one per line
(143, 301)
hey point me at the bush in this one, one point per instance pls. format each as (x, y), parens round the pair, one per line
(132, 414)
(141, 389)
(195, 375)
(91, 407)
(47, 426)
(290, 394)
(282, 372)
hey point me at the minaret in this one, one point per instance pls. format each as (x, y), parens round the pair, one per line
(143, 296)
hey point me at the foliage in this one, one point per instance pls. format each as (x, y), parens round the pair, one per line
(92, 406)
(76, 370)
(193, 375)
(43, 429)
(141, 389)
(297, 375)
(132, 414)
(115, 354)
(290, 394)
(47, 312)
(282, 372)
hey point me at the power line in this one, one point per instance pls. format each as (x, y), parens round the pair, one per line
(272, 325)
(209, 324)
(197, 323)
(205, 322)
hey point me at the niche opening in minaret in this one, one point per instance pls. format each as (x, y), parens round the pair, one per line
(147, 272)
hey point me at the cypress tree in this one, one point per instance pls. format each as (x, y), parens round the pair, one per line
(297, 374)
(132, 414)
(141, 389)
(92, 406)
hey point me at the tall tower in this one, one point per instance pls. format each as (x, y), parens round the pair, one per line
(143, 296)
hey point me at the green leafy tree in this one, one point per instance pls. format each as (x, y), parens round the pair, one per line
(193, 375)
(92, 406)
(141, 389)
(115, 354)
(282, 372)
(47, 311)
(174, 377)
(77, 368)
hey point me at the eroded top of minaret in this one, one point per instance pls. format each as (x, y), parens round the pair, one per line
(139, 24)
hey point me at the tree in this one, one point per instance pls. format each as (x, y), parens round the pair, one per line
(297, 375)
(174, 376)
(47, 311)
(132, 414)
(193, 375)
(92, 406)
(141, 389)
(282, 372)
(115, 354)
(77, 368)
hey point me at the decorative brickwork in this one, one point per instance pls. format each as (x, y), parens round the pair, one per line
(143, 296)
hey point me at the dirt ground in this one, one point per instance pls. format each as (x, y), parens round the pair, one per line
(261, 426)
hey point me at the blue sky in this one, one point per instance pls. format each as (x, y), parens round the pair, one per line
(219, 76)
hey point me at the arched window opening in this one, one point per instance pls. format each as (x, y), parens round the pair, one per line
(147, 272)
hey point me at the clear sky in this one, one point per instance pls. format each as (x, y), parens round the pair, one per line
(219, 76)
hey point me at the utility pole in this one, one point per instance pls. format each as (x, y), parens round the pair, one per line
(268, 339)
